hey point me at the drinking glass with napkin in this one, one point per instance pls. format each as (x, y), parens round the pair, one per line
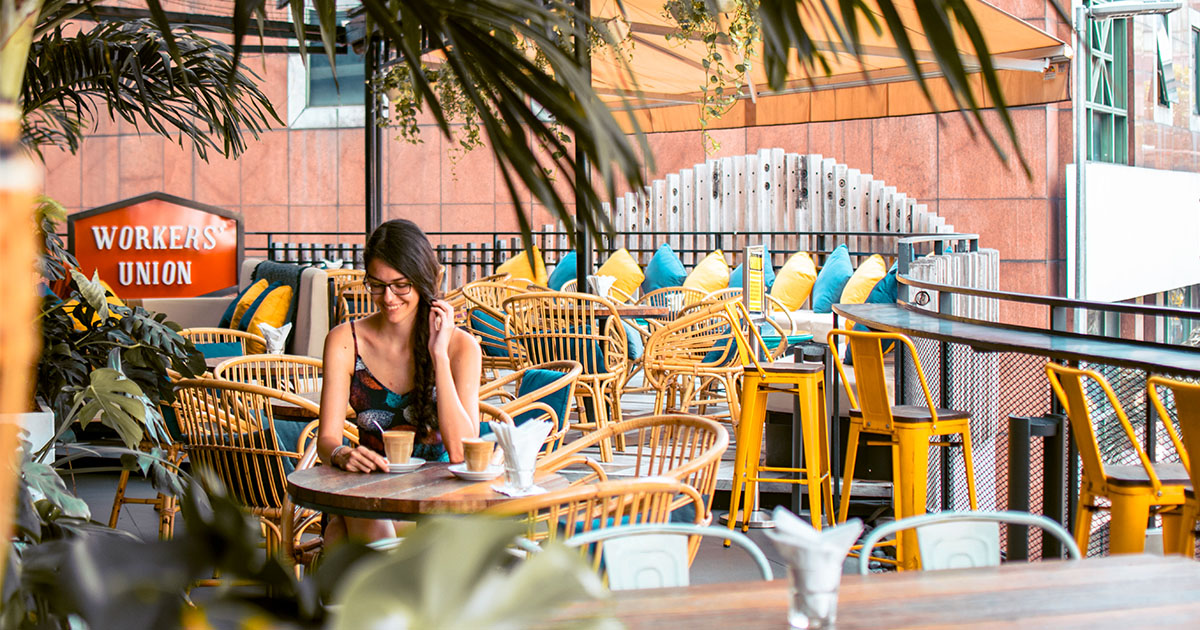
(520, 445)
(814, 562)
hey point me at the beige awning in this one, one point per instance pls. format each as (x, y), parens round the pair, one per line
(669, 71)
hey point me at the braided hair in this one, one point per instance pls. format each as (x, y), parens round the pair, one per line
(401, 245)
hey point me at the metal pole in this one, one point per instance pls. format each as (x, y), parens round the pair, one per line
(583, 238)
(371, 141)
(1079, 113)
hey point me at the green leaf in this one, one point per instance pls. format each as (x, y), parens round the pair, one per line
(44, 483)
(92, 292)
(124, 407)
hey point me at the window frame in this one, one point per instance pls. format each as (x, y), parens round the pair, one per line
(301, 115)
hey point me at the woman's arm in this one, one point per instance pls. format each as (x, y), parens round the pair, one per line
(337, 367)
(457, 364)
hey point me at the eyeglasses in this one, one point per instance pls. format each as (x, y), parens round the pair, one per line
(400, 288)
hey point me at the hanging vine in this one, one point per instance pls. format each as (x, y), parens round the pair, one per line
(730, 25)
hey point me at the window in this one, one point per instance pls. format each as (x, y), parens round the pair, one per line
(1166, 67)
(315, 100)
(1107, 94)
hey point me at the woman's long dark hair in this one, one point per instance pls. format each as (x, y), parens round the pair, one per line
(401, 245)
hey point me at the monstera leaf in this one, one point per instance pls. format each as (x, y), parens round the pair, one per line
(93, 292)
(125, 409)
(449, 574)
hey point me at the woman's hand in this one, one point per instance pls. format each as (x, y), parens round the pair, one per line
(441, 328)
(359, 459)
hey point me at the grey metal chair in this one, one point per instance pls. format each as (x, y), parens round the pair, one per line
(955, 540)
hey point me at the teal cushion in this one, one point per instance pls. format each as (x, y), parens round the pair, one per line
(735, 277)
(287, 437)
(834, 275)
(634, 344)
(563, 272)
(591, 354)
(220, 350)
(535, 379)
(665, 270)
(491, 330)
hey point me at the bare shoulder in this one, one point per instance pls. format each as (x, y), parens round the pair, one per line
(339, 342)
(463, 343)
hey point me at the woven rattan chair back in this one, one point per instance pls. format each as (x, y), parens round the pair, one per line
(674, 299)
(355, 302)
(289, 373)
(549, 326)
(533, 402)
(222, 335)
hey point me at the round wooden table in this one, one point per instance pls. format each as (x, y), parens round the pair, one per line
(431, 489)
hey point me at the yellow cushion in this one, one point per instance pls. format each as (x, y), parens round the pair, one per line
(864, 279)
(794, 282)
(710, 274)
(625, 269)
(272, 310)
(245, 302)
(110, 296)
(518, 267)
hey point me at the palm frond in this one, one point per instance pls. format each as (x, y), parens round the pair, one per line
(125, 69)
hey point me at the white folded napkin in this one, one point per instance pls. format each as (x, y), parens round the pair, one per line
(816, 556)
(602, 285)
(275, 337)
(520, 446)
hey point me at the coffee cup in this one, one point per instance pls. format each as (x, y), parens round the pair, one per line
(398, 445)
(478, 453)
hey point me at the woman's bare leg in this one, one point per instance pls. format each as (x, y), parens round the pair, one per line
(357, 529)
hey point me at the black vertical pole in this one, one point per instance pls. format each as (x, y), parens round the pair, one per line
(372, 138)
(583, 238)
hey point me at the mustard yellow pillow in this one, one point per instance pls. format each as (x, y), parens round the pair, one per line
(864, 279)
(625, 269)
(270, 308)
(794, 282)
(245, 301)
(710, 274)
(518, 267)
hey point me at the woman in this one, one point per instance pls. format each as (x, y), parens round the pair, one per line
(405, 367)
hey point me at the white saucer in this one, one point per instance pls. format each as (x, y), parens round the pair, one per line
(489, 473)
(413, 464)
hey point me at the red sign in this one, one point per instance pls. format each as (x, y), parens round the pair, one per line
(158, 245)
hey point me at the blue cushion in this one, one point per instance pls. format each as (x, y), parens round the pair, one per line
(491, 330)
(227, 316)
(834, 275)
(635, 345)
(735, 277)
(563, 272)
(248, 316)
(665, 270)
(535, 379)
(764, 330)
(579, 349)
(220, 350)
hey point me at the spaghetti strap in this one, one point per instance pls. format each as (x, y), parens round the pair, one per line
(355, 336)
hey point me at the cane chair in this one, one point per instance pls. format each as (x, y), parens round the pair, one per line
(908, 430)
(289, 373)
(550, 326)
(683, 447)
(689, 362)
(614, 294)
(1134, 492)
(458, 301)
(172, 451)
(530, 394)
(486, 319)
(579, 509)
(229, 430)
(202, 336)
(962, 540)
(339, 279)
(355, 302)
(1186, 398)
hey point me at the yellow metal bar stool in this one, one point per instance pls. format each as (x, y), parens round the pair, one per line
(1187, 411)
(807, 382)
(1134, 492)
(908, 429)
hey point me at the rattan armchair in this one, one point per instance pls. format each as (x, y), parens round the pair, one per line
(486, 320)
(200, 336)
(614, 294)
(683, 447)
(355, 302)
(229, 430)
(551, 326)
(583, 508)
(532, 404)
(289, 373)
